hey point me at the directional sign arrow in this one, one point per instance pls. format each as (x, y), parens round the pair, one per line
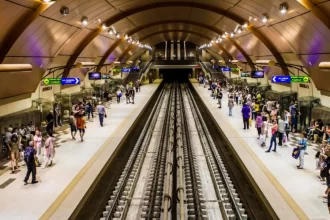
(274, 78)
(77, 80)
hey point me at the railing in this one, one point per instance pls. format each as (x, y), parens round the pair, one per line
(145, 68)
(175, 62)
(206, 70)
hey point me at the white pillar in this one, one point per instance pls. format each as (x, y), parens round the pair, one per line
(179, 51)
(165, 50)
(185, 51)
(172, 50)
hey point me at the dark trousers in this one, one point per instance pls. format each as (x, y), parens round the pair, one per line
(118, 99)
(246, 123)
(280, 138)
(50, 127)
(89, 114)
(101, 117)
(31, 168)
(272, 141)
(254, 115)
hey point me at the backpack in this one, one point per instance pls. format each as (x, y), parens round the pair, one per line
(29, 154)
(220, 95)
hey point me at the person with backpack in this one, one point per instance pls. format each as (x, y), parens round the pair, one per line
(49, 150)
(81, 124)
(30, 163)
(14, 152)
(231, 105)
(219, 93)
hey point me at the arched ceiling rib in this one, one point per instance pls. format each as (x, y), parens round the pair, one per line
(213, 29)
(206, 7)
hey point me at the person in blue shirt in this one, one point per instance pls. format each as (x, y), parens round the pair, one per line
(246, 115)
(302, 145)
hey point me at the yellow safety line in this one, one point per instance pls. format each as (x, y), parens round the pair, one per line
(286, 196)
(53, 207)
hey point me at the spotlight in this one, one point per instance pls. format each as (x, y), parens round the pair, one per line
(65, 11)
(264, 18)
(118, 35)
(111, 31)
(126, 36)
(239, 30)
(84, 20)
(245, 25)
(104, 26)
(217, 41)
(283, 8)
(232, 34)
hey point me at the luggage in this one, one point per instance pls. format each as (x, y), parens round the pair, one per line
(295, 153)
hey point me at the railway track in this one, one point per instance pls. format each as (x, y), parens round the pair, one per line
(175, 170)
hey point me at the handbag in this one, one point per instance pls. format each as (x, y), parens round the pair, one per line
(295, 153)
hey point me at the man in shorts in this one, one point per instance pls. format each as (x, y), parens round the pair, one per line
(81, 123)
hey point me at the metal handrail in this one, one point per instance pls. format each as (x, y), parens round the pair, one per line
(145, 68)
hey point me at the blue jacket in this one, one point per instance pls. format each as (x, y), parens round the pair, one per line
(246, 111)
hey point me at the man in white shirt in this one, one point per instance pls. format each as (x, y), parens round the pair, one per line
(102, 113)
(281, 130)
(269, 106)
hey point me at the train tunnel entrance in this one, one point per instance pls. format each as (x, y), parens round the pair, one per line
(180, 75)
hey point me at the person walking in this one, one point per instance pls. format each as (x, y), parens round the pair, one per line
(73, 128)
(14, 152)
(220, 95)
(101, 112)
(89, 110)
(302, 145)
(81, 124)
(246, 115)
(30, 163)
(231, 104)
(49, 151)
(37, 140)
(281, 130)
(119, 94)
(137, 85)
(259, 123)
(127, 96)
(132, 94)
(50, 121)
(264, 131)
(274, 130)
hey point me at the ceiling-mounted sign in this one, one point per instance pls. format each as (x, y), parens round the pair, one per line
(47, 88)
(70, 81)
(116, 70)
(226, 69)
(299, 79)
(126, 70)
(281, 79)
(135, 68)
(234, 69)
(245, 74)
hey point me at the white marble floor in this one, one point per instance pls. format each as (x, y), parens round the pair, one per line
(18, 201)
(302, 185)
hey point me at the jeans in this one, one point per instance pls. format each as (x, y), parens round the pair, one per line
(31, 168)
(89, 114)
(301, 158)
(254, 115)
(280, 138)
(101, 117)
(246, 123)
(272, 140)
(118, 99)
(294, 123)
(230, 110)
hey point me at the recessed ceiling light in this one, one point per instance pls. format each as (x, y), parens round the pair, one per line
(283, 8)
(245, 25)
(84, 20)
(264, 18)
(104, 26)
(65, 11)
(239, 30)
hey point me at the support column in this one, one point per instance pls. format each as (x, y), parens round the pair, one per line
(179, 51)
(157, 73)
(165, 50)
(172, 50)
(185, 51)
(148, 55)
(194, 73)
(197, 53)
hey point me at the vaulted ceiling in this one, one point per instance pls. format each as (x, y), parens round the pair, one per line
(34, 31)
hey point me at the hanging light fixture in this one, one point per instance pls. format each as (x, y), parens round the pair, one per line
(245, 25)
(84, 20)
(239, 30)
(283, 8)
(111, 31)
(126, 36)
(118, 35)
(232, 34)
(65, 11)
(264, 18)
(104, 26)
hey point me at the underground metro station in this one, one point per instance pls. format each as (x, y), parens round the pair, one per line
(165, 109)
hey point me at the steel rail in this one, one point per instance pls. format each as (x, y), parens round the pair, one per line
(117, 201)
(230, 203)
(196, 206)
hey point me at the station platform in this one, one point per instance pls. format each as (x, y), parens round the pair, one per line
(76, 165)
(292, 193)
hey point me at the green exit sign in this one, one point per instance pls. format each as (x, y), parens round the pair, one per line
(51, 81)
(299, 79)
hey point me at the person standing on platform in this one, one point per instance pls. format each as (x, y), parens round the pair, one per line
(37, 140)
(101, 112)
(14, 152)
(119, 94)
(132, 94)
(302, 145)
(274, 130)
(73, 127)
(127, 96)
(137, 85)
(231, 105)
(281, 130)
(246, 115)
(90, 110)
(81, 124)
(264, 130)
(50, 121)
(220, 95)
(30, 163)
(259, 123)
(49, 150)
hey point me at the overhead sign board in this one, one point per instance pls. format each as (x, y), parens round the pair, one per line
(51, 81)
(70, 81)
(116, 70)
(281, 79)
(225, 69)
(245, 74)
(290, 79)
(126, 70)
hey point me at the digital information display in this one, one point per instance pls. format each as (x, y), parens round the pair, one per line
(61, 81)
(290, 79)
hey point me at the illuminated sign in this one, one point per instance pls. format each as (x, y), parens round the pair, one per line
(126, 70)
